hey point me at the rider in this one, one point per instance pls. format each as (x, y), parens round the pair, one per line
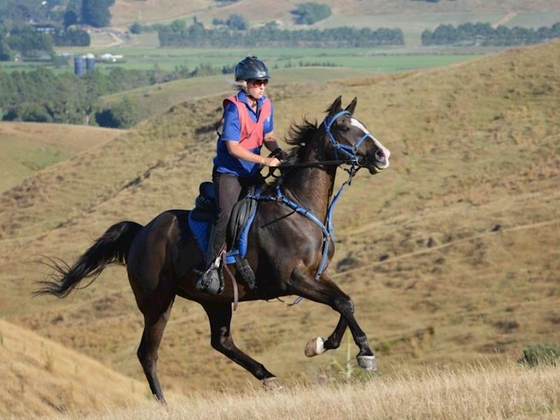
(247, 126)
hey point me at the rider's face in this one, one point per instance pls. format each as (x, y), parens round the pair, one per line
(256, 88)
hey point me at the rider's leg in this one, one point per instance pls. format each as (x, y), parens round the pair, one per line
(227, 191)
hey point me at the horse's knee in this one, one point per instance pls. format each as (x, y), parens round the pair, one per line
(222, 343)
(344, 304)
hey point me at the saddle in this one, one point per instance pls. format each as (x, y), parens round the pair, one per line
(202, 217)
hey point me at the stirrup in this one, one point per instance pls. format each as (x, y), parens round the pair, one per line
(211, 281)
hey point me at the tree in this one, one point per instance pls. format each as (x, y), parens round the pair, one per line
(237, 22)
(72, 37)
(309, 13)
(70, 18)
(5, 51)
(122, 115)
(28, 111)
(28, 42)
(96, 12)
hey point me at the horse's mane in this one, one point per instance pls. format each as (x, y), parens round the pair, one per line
(299, 136)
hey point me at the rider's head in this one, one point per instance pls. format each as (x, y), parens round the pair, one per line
(249, 70)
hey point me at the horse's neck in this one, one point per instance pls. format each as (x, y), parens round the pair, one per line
(312, 187)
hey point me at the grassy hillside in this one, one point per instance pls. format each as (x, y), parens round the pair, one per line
(26, 148)
(157, 99)
(126, 12)
(451, 255)
(497, 392)
(41, 377)
(412, 17)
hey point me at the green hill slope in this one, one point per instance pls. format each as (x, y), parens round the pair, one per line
(451, 255)
(26, 148)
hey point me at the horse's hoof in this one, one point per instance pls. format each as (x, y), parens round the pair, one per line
(367, 362)
(272, 384)
(314, 347)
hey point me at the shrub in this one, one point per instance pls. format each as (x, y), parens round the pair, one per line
(310, 13)
(541, 354)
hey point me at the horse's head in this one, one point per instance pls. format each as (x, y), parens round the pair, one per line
(352, 141)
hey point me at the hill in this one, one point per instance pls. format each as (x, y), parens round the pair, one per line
(126, 12)
(41, 377)
(26, 148)
(451, 255)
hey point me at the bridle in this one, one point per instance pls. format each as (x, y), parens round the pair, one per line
(349, 153)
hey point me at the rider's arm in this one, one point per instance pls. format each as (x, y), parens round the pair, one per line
(239, 152)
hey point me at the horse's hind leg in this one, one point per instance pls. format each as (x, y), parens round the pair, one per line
(219, 315)
(155, 320)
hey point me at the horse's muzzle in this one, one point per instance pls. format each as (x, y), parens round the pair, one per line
(378, 162)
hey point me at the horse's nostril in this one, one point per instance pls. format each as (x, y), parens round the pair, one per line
(379, 155)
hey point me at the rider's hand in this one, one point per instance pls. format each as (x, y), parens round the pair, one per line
(280, 154)
(272, 162)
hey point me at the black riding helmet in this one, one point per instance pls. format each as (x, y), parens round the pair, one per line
(251, 68)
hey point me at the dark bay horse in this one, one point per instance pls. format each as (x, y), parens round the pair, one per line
(288, 249)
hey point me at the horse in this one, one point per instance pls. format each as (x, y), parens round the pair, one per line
(290, 244)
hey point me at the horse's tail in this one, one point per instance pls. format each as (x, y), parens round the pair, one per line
(111, 248)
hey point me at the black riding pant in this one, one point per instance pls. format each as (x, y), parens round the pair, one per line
(229, 189)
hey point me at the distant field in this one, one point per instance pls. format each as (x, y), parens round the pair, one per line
(125, 12)
(372, 60)
(143, 52)
(413, 25)
(349, 58)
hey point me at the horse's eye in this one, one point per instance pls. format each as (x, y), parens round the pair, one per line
(345, 128)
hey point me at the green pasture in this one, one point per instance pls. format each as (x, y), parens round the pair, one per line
(285, 59)
(370, 61)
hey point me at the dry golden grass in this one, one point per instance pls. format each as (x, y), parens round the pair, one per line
(479, 392)
(126, 12)
(451, 255)
(41, 377)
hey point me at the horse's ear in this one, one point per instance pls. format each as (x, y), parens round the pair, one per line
(352, 106)
(336, 106)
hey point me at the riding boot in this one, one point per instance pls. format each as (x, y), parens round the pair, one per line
(211, 281)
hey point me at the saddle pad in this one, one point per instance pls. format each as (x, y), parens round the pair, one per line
(201, 231)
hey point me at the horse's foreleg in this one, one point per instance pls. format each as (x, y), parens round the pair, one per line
(319, 345)
(344, 305)
(219, 316)
(326, 292)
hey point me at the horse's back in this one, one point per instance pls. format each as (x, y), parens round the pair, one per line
(165, 244)
(168, 226)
